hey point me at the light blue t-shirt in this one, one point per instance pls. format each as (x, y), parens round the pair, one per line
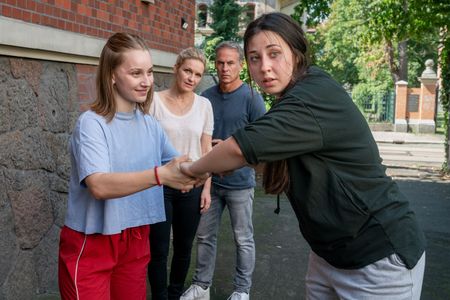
(130, 142)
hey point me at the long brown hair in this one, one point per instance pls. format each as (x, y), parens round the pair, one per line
(110, 58)
(276, 174)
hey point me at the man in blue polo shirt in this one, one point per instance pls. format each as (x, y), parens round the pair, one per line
(234, 105)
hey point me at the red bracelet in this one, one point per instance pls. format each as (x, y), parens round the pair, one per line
(156, 176)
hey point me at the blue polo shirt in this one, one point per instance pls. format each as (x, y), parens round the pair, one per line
(233, 111)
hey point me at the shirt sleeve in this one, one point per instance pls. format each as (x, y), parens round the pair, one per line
(209, 118)
(168, 151)
(90, 147)
(288, 129)
(257, 108)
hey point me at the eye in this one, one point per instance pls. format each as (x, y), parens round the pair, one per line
(135, 73)
(274, 54)
(253, 58)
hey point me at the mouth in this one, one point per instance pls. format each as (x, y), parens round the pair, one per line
(142, 92)
(267, 82)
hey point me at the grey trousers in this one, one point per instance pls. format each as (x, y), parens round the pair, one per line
(387, 278)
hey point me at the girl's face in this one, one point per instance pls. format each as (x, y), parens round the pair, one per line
(189, 74)
(270, 61)
(132, 79)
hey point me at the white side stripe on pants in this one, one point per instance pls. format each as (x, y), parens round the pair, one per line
(76, 266)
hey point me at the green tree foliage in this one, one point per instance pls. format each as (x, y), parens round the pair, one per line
(210, 53)
(226, 15)
(445, 92)
(374, 42)
(316, 11)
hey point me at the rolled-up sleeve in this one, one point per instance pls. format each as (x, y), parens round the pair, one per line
(287, 130)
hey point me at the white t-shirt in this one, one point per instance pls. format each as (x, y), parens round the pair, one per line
(185, 131)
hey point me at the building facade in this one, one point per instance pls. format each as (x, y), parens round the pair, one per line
(252, 10)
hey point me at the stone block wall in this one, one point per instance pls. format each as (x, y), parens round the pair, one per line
(38, 107)
(39, 104)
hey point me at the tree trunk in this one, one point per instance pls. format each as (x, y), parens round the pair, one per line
(393, 68)
(403, 60)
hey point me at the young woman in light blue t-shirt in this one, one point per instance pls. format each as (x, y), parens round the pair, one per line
(117, 151)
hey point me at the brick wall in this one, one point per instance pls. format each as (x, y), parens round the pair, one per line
(158, 23)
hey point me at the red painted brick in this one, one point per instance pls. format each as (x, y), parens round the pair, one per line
(26, 16)
(16, 13)
(48, 10)
(102, 15)
(7, 11)
(31, 5)
(10, 2)
(35, 18)
(21, 3)
(61, 24)
(83, 29)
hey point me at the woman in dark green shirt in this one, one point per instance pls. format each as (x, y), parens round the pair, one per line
(318, 149)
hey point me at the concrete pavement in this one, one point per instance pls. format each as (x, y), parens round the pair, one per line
(406, 137)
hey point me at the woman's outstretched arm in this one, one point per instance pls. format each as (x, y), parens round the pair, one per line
(224, 157)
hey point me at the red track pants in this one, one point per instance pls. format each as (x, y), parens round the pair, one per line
(110, 267)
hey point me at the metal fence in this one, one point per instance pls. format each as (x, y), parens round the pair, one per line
(379, 107)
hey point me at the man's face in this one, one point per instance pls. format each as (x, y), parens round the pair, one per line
(228, 65)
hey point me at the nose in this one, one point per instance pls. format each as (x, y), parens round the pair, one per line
(147, 80)
(266, 65)
(225, 68)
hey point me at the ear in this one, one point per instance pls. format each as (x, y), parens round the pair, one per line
(113, 79)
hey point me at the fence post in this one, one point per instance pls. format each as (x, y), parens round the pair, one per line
(401, 105)
(427, 104)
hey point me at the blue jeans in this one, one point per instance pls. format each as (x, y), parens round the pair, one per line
(240, 206)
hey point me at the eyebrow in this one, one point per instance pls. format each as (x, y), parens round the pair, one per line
(267, 47)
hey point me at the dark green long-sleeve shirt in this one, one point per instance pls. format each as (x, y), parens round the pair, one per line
(351, 213)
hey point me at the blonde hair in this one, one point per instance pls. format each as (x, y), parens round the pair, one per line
(190, 53)
(110, 58)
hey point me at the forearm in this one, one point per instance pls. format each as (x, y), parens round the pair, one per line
(105, 186)
(115, 185)
(225, 156)
(207, 185)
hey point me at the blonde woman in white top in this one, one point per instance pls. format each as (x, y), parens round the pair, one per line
(187, 119)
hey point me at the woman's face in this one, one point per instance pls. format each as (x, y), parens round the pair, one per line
(189, 74)
(270, 61)
(132, 79)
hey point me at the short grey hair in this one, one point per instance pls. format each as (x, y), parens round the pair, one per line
(231, 45)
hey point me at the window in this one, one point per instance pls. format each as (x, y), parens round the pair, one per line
(248, 13)
(202, 14)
